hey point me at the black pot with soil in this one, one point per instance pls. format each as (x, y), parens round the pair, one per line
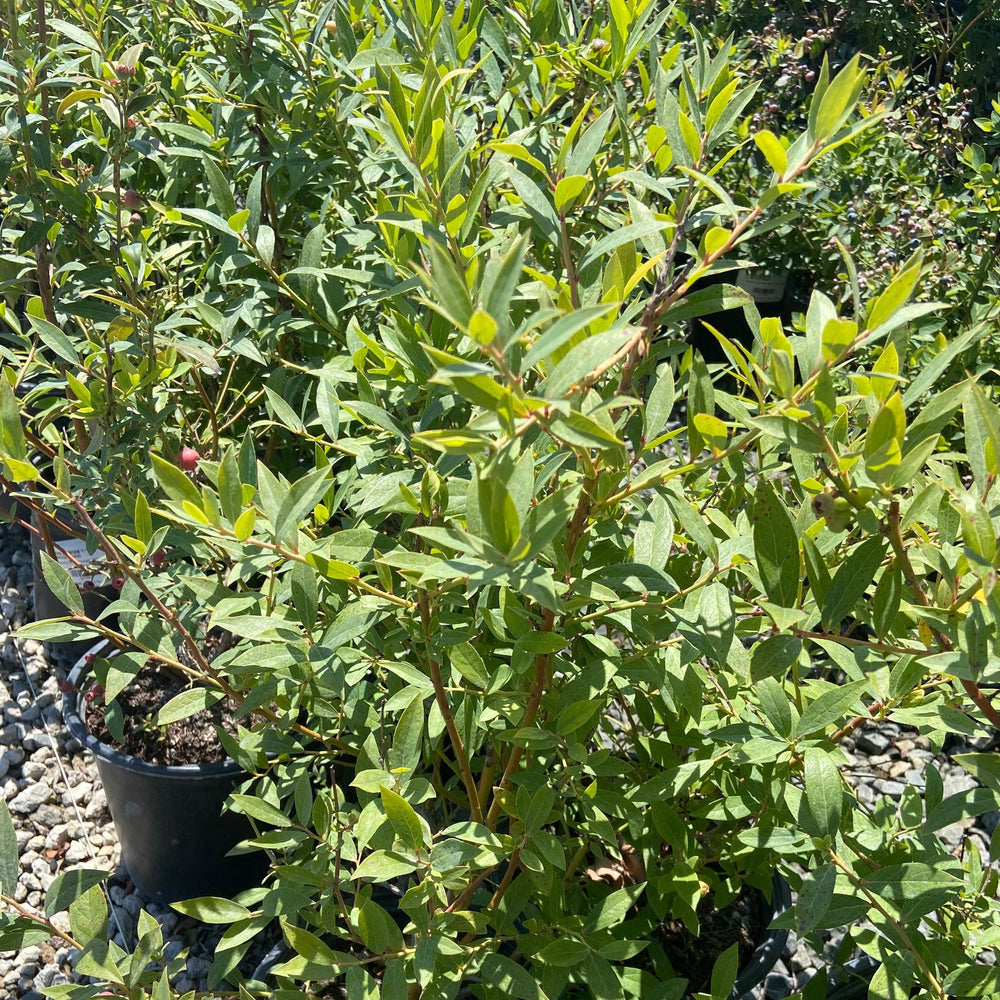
(747, 922)
(169, 818)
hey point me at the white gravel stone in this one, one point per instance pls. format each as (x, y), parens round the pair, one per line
(31, 798)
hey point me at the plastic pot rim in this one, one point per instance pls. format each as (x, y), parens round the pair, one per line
(73, 716)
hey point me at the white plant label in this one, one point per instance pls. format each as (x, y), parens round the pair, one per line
(762, 286)
(72, 554)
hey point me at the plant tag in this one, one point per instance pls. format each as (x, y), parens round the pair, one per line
(762, 286)
(72, 555)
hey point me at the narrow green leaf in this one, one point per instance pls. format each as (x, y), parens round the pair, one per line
(815, 897)
(143, 521)
(611, 910)
(851, 580)
(195, 699)
(466, 660)
(249, 805)
(61, 584)
(212, 909)
(776, 546)
(824, 793)
(725, 970)
(221, 192)
(174, 482)
(10, 868)
(830, 707)
(403, 818)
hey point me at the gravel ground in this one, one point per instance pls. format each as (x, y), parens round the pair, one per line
(62, 821)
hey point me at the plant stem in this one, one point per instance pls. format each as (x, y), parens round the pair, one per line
(897, 925)
(972, 689)
(457, 745)
(47, 924)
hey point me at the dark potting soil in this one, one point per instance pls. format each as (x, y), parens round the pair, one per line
(190, 741)
(738, 923)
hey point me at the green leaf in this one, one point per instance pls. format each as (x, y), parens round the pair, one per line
(776, 546)
(830, 707)
(448, 285)
(917, 888)
(195, 699)
(467, 662)
(403, 818)
(973, 981)
(774, 656)
(11, 429)
(96, 960)
(900, 289)
(654, 535)
(724, 972)
(379, 932)
(143, 521)
(562, 331)
(824, 793)
(885, 603)
(564, 952)
(837, 101)
(22, 932)
(850, 582)
(884, 440)
(568, 190)
(408, 736)
(978, 533)
(310, 947)
(88, 915)
(693, 524)
(775, 704)
(507, 978)
(660, 403)
(212, 909)
(249, 805)
(61, 584)
(602, 979)
(298, 502)
(174, 482)
(383, 866)
(230, 487)
(815, 897)
(611, 910)
(67, 886)
(221, 192)
(769, 144)
(10, 868)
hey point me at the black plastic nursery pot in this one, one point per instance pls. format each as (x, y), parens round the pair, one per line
(87, 571)
(173, 833)
(771, 942)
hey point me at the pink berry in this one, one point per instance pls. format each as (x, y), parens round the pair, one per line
(87, 586)
(132, 123)
(118, 582)
(158, 558)
(189, 459)
(89, 659)
(65, 687)
(131, 199)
